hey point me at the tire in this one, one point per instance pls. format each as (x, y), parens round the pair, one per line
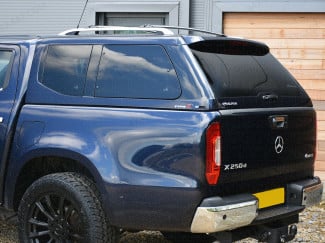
(63, 207)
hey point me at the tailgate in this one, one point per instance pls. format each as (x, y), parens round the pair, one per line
(266, 148)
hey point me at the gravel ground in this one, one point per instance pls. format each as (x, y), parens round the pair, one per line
(311, 228)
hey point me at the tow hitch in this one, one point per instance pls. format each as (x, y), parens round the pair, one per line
(275, 235)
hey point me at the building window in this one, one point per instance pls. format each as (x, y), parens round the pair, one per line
(131, 19)
(135, 13)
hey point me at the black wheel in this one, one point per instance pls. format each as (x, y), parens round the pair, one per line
(63, 207)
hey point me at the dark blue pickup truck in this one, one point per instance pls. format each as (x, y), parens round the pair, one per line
(137, 128)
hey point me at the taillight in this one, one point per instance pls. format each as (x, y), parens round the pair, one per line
(213, 153)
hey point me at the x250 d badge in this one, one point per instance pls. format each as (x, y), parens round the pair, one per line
(279, 144)
(236, 166)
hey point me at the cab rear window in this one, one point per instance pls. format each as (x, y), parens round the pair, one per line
(136, 71)
(6, 57)
(64, 68)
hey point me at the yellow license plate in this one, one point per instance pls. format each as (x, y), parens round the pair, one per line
(270, 198)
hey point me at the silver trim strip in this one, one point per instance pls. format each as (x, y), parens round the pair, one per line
(157, 30)
(232, 206)
(215, 219)
(312, 195)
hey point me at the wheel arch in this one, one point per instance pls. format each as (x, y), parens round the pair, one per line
(47, 161)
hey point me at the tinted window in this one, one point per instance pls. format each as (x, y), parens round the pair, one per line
(245, 75)
(5, 66)
(136, 71)
(65, 68)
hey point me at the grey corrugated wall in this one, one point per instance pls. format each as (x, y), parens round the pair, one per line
(51, 17)
(38, 16)
(197, 14)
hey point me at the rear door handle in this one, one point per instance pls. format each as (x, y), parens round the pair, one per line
(278, 121)
(270, 97)
(1, 119)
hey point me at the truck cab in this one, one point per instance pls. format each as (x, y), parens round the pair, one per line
(139, 128)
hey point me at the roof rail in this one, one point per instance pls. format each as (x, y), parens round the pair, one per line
(136, 30)
(184, 28)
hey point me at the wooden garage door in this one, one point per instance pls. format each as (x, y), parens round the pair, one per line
(298, 41)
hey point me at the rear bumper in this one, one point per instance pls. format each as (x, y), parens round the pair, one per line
(217, 214)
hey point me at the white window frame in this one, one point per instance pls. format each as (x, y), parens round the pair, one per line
(216, 8)
(171, 8)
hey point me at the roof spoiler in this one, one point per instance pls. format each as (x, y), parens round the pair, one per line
(231, 46)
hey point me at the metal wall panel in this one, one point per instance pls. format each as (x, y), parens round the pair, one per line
(38, 16)
(51, 17)
(198, 12)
